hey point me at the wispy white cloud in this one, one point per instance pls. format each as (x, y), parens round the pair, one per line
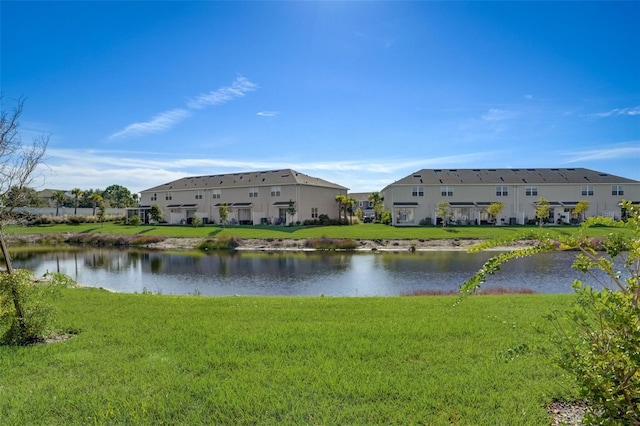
(620, 152)
(268, 113)
(138, 171)
(166, 120)
(495, 114)
(240, 87)
(618, 111)
(157, 124)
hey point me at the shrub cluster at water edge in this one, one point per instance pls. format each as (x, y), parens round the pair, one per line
(331, 244)
(222, 243)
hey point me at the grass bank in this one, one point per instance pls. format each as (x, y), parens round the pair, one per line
(361, 231)
(150, 359)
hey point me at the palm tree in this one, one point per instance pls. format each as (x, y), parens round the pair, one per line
(59, 197)
(95, 200)
(77, 193)
(341, 199)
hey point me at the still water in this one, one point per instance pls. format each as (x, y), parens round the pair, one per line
(304, 273)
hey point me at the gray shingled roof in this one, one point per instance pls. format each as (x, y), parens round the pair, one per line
(509, 176)
(247, 179)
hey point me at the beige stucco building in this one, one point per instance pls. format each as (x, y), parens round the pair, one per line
(251, 197)
(414, 198)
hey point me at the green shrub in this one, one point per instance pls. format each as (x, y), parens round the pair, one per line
(222, 243)
(37, 314)
(598, 338)
(135, 220)
(331, 244)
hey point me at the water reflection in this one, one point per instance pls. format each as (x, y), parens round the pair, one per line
(304, 273)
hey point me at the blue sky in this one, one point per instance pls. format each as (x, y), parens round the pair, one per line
(358, 93)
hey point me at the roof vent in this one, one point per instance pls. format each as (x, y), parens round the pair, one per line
(417, 176)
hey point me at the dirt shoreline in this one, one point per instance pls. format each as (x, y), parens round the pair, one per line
(282, 244)
(387, 245)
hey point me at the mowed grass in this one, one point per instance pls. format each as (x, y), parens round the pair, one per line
(361, 231)
(154, 359)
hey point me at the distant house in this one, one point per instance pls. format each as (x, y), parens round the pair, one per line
(47, 195)
(363, 203)
(251, 198)
(414, 199)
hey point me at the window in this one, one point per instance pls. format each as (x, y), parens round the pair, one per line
(253, 192)
(154, 197)
(587, 190)
(501, 191)
(617, 190)
(217, 193)
(275, 191)
(314, 212)
(446, 191)
(531, 191)
(167, 196)
(417, 191)
(199, 195)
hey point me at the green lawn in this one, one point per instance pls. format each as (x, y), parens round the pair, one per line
(362, 231)
(152, 359)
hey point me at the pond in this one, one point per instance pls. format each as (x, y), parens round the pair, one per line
(300, 273)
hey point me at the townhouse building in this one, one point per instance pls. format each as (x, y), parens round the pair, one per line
(414, 199)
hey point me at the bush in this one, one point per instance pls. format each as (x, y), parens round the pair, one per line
(598, 338)
(331, 244)
(135, 220)
(222, 243)
(38, 315)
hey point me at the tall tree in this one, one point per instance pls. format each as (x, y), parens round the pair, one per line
(291, 209)
(494, 210)
(96, 199)
(443, 212)
(580, 209)
(59, 197)
(77, 193)
(378, 205)
(18, 163)
(22, 197)
(118, 196)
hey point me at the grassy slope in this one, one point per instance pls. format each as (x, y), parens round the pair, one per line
(363, 231)
(149, 359)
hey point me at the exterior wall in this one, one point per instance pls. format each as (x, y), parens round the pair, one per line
(179, 206)
(408, 209)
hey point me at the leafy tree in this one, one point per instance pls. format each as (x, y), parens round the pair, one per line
(598, 337)
(196, 221)
(443, 212)
(18, 163)
(156, 213)
(77, 193)
(378, 205)
(102, 211)
(223, 211)
(494, 210)
(119, 197)
(291, 209)
(580, 209)
(59, 197)
(359, 214)
(542, 210)
(22, 197)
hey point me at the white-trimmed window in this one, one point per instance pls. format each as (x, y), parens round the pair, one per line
(531, 191)
(275, 191)
(587, 190)
(417, 191)
(617, 190)
(217, 193)
(253, 192)
(502, 191)
(199, 195)
(154, 197)
(446, 191)
(167, 196)
(314, 212)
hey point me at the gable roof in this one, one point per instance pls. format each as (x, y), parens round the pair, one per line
(246, 179)
(509, 176)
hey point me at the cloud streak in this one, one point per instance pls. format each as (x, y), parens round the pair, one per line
(168, 119)
(624, 152)
(239, 88)
(268, 113)
(634, 111)
(157, 124)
